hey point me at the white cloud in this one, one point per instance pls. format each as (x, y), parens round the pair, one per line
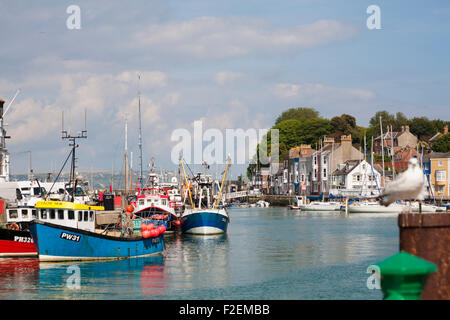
(226, 77)
(316, 92)
(217, 37)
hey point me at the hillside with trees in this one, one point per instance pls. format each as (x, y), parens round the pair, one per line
(305, 126)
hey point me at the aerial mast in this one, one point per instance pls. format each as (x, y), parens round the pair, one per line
(72, 143)
(140, 135)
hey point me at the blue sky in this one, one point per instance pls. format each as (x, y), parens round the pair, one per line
(234, 64)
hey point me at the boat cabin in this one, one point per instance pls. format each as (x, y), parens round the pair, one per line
(21, 214)
(68, 214)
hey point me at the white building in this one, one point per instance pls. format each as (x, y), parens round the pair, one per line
(356, 178)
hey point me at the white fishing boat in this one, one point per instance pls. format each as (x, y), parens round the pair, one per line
(320, 206)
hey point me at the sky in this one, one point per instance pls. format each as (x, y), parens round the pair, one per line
(231, 64)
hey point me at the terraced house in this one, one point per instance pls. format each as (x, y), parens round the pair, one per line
(437, 169)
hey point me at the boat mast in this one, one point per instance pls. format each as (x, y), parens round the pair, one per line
(382, 151)
(126, 156)
(187, 183)
(392, 155)
(140, 135)
(74, 145)
(223, 181)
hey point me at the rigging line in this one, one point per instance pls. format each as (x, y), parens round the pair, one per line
(193, 175)
(56, 179)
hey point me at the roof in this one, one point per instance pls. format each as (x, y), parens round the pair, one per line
(66, 205)
(437, 155)
(352, 164)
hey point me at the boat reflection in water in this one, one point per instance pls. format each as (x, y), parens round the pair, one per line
(122, 279)
(19, 278)
(198, 261)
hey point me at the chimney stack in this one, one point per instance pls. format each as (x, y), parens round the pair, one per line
(445, 129)
(346, 139)
(328, 141)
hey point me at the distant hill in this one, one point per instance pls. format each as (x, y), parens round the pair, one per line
(96, 179)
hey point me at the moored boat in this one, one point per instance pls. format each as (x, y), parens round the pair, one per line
(205, 221)
(320, 206)
(375, 207)
(66, 231)
(205, 216)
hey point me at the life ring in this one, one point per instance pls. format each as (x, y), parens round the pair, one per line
(14, 226)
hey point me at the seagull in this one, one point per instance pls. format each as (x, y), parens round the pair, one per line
(408, 185)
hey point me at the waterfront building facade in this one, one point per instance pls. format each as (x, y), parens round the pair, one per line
(356, 178)
(437, 169)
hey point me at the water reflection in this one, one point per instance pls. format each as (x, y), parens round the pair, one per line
(142, 277)
(197, 261)
(18, 278)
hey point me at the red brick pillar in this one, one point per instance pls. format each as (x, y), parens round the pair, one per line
(427, 236)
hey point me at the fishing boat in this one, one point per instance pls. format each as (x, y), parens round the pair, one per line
(320, 206)
(157, 201)
(203, 217)
(66, 231)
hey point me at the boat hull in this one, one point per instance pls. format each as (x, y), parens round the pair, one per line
(15, 243)
(319, 208)
(375, 209)
(205, 222)
(58, 243)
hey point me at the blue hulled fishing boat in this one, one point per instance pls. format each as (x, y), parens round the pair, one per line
(66, 231)
(203, 217)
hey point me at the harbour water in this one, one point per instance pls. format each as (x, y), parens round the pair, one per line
(267, 253)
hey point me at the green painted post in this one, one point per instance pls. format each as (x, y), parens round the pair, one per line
(403, 276)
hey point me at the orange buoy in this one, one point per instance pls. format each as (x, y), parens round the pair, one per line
(130, 208)
(162, 229)
(150, 226)
(146, 234)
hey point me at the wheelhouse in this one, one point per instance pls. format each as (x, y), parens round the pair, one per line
(68, 214)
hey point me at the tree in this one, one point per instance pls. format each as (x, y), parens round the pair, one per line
(345, 124)
(442, 144)
(421, 126)
(297, 113)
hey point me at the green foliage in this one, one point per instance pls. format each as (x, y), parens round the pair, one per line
(297, 113)
(442, 144)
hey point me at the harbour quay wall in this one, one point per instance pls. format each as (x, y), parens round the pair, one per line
(428, 236)
(274, 200)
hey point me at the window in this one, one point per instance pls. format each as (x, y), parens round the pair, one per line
(141, 202)
(71, 215)
(33, 213)
(440, 175)
(24, 213)
(315, 173)
(61, 214)
(13, 214)
(324, 173)
(86, 215)
(80, 215)
(44, 214)
(91, 215)
(52, 214)
(441, 189)
(315, 160)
